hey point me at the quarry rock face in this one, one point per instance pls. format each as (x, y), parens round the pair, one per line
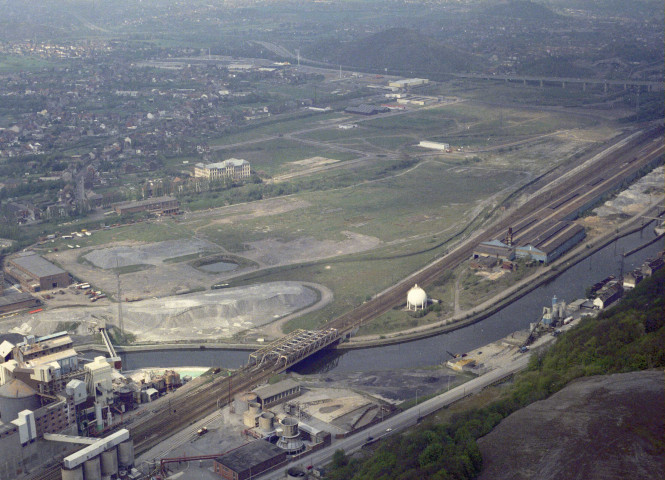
(605, 427)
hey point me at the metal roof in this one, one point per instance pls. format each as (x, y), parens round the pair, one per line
(37, 266)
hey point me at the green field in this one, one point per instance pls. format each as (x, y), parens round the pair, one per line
(426, 199)
(274, 156)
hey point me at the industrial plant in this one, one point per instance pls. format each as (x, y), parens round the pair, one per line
(51, 398)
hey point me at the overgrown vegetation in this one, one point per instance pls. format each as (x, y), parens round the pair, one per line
(628, 337)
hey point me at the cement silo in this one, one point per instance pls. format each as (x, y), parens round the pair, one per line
(110, 462)
(266, 422)
(92, 469)
(73, 474)
(126, 454)
(16, 396)
(242, 401)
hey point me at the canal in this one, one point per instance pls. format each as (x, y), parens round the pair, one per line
(568, 286)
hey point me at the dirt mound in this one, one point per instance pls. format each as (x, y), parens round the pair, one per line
(606, 427)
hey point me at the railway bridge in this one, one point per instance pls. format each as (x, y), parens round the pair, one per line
(296, 346)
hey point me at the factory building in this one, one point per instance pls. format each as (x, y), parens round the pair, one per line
(233, 168)
(157, 205)
(35, 273)
(249, 460)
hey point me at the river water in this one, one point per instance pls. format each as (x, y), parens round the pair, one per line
(568, 286)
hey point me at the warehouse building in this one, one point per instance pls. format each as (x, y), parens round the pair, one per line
(269, 395)
(249, 460)
(364, 109)
(434, 145)
(408, 83)
(158, 205)
(233, 168)
(35, 273)
(494, 249)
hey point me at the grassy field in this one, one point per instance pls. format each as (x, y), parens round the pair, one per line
(475, 289)
(427, 199)
(286, 126)
(274, 156)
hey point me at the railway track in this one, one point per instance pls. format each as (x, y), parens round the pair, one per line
(586, 184)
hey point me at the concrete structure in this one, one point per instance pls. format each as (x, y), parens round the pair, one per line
(93, 451)
(269, 395)
(99, 380)
(249, 460)
(242, 400)
(35, 273)
(434, 145)
(416, 298)
(158, 205)
(16, 396)
(233, 168)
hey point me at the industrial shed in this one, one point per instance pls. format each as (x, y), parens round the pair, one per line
(35, 273)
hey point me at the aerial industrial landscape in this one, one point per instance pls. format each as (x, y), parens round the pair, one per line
(335, 240)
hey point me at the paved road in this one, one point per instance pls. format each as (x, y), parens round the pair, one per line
(405, 419)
